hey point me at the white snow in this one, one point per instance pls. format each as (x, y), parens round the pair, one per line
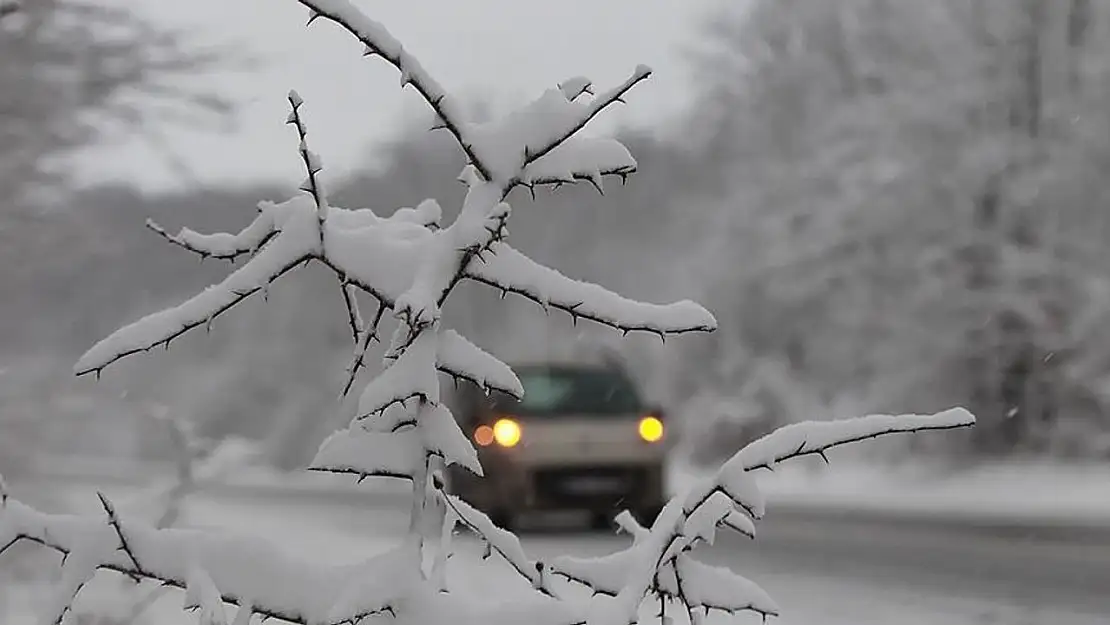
(411, 375)
(340, 534)
(509, 270)
(813, 437)
(202, 595)
(1014, 492)
(443, 436)
(361, 452)
(502, 541)
(461, 358)
(224, 244)
(578, 158)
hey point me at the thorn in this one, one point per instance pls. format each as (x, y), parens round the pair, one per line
(312, 16)
(823, 456)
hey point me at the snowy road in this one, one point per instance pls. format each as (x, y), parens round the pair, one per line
(824, 571)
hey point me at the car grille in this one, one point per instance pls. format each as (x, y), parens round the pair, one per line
(591, 485)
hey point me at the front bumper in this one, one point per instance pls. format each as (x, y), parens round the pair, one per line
(601, 488)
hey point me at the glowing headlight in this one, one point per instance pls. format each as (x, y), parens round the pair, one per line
(651, 429)
(506, 432)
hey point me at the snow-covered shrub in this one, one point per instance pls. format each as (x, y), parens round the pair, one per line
(409, 262)
(198, 463)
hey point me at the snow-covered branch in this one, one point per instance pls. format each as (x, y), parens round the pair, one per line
(410, 265)
(554, 153)
(222, 245)
(658, 561)
(240, 566)
(380, 42)
(510, 271)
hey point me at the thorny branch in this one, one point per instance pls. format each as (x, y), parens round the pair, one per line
(597, 105)
(124, 546)
(228, 254)
(412, 72)
(463, 253)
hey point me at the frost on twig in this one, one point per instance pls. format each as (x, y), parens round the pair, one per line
(409, 263)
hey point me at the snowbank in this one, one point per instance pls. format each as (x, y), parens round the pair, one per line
(1043, 494)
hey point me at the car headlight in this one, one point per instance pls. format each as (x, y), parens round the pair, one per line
(506, 432)
(651, 429)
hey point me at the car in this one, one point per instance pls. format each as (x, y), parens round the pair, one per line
(580, 438)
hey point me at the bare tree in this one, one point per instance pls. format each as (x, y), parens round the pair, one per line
(72, 70)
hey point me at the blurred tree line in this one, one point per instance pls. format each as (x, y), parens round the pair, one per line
(890, 205)
(917, 212)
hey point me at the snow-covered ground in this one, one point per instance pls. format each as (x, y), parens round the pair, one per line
(342, 531)
(1015, 492)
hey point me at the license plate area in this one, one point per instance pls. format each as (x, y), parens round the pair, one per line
(588, 484)
(593, 485)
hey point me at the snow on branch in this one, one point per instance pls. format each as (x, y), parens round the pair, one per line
(410, 265)
(224, 245)
(552, 138)
(513, 150)
(505, 543)
(242, 568)
(296, 243)
(658, 563)
(379, 41)
(816, 437)
(512, 272)
(366, 453)
(538, 143)
(581, 159)
(412, 375)
(464, 360)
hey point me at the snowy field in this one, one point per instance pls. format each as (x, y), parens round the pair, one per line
(809, 567)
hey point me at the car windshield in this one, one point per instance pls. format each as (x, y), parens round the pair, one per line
(554, 391)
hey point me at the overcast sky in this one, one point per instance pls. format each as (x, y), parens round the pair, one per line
(500, 50)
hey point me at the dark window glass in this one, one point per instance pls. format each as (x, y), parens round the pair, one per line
(572, 391)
